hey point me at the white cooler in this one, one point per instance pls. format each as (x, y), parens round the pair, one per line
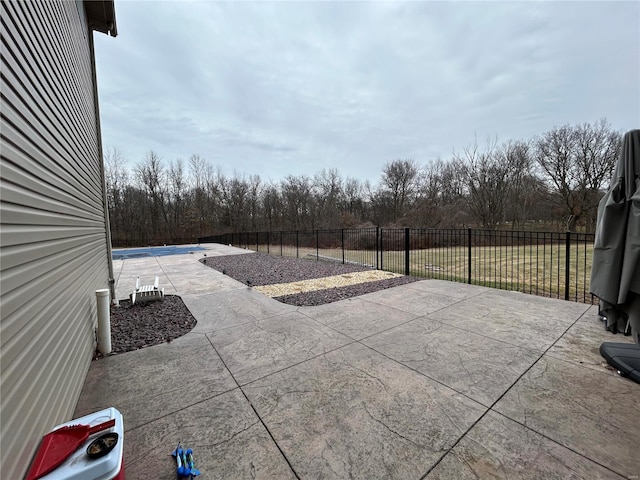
(79, 466)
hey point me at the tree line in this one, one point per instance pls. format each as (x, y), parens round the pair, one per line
(552, 181)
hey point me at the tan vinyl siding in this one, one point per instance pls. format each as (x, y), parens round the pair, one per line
(53, 250)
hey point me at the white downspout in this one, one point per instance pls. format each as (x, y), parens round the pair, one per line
(104, 321)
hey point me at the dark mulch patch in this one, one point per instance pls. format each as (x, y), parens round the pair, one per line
(320, 297)
(265, 269)
(146, 324)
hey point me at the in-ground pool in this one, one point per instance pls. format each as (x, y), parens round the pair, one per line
(153, 252)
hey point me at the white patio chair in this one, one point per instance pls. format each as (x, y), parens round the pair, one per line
(146, 293)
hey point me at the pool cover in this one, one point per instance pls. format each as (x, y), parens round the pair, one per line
(153, 252)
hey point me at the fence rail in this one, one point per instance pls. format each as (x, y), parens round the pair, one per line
(550, 264)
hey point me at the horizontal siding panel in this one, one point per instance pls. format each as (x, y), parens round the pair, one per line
(20, 128)
(26, 234)
(32, 113)
(72, 44)
(19, 165)
(42, 53)
(20, 215)
(19, 136)
(22, 125)
(36, 106)
(15, 255)
(33, 191)
(53, 268)
(52, 238)
(59, 314)
(45, 294)
(41, 343)
(52, 76)
(19, 188)
(53, 212)
(51, 381)
(41, 381)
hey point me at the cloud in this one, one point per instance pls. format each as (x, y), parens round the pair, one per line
(278, 88)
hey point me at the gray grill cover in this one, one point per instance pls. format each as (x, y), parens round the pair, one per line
(615, 273)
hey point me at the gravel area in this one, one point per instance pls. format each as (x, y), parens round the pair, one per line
(152, 323)
(262, 269)
(320, 297)
(265, 269)
(146, 324)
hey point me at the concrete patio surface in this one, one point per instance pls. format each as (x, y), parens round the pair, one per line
(432, 379)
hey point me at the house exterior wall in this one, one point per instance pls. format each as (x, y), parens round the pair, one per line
(53, 236)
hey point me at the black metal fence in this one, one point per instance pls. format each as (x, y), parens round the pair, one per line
(550, 264)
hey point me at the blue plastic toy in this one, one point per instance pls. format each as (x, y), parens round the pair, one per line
(186, 463)
(192, 463)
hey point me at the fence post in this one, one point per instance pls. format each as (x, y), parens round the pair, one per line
(469, 256)
(317, 246)
(268, 241)
(381, 249)
(567, 263)
(342, 240)
(377, 248)
(407, 249)
(257, 242)
(281, 237)
(297, 245)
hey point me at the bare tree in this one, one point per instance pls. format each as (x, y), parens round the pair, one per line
(577, 162)
(431, 202)
(329, 193)
(177, 199)
(486, 181)
(152, 178)
(354, 205)
(272, 207)
(205, 197)
(198, 169)
(297, 202)
(399, 178)
(255, 190)
(486, 187)
(235, 196)
(495, 181)
(523, 188)
(117, 179)
(598, 148)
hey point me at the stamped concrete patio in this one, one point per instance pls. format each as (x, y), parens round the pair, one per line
(432, 379)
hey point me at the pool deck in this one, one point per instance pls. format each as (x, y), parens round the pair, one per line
(432, 379)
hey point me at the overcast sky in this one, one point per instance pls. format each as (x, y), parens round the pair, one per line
(279, 88)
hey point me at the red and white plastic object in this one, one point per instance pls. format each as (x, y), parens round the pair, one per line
(77, 465)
